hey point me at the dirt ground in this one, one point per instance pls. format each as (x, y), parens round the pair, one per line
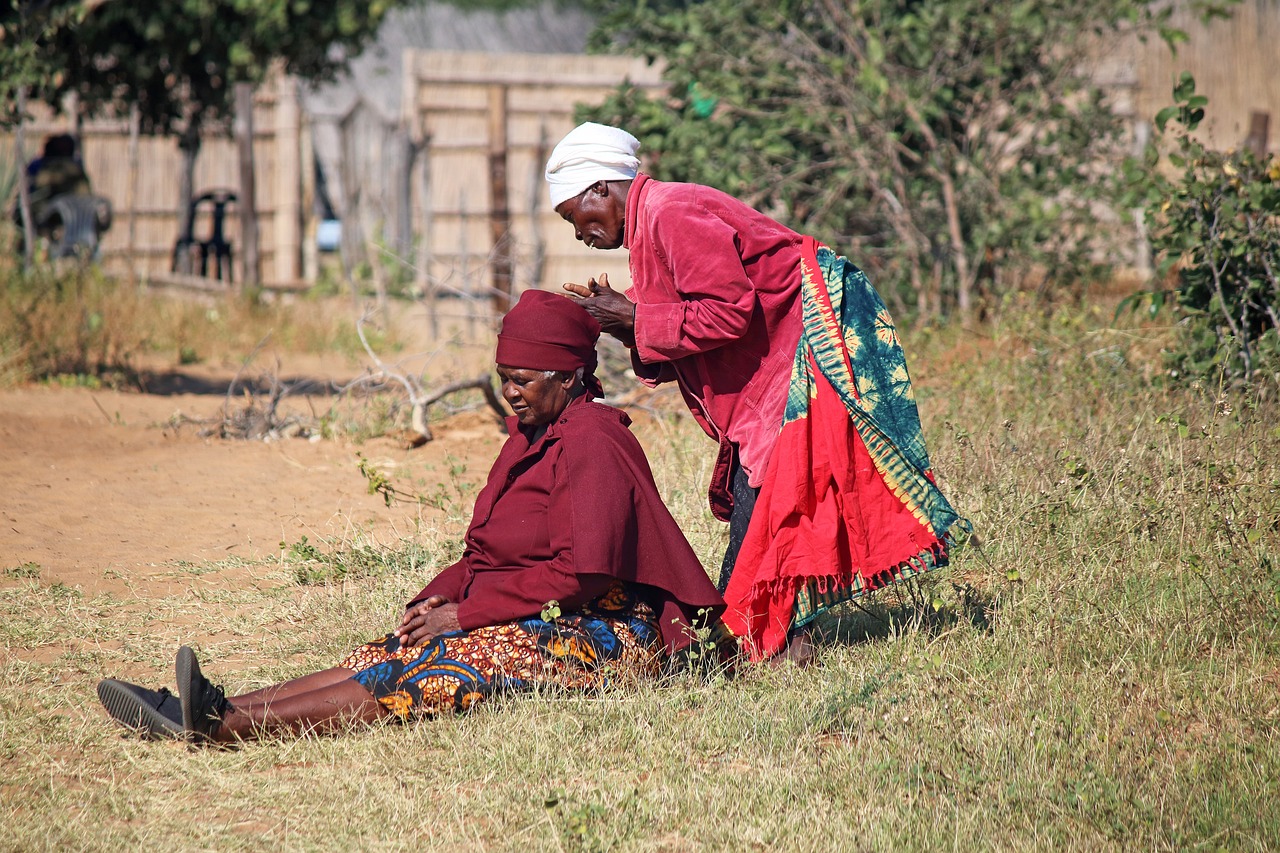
(99, 490)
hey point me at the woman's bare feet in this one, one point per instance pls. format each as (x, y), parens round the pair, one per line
(799, 651)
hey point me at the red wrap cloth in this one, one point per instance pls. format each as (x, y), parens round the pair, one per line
(849, 502)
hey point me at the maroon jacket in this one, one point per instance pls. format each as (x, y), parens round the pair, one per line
(717, 292)
(562, 518)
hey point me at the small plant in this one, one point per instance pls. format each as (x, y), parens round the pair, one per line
(380, 484)
(25, 570)
(313, 566)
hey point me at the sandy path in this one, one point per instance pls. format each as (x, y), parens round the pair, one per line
(93, 486)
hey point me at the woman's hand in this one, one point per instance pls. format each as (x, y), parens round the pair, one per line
(615, 313)
(427, 620)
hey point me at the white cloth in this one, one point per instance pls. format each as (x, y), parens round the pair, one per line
(590, 152)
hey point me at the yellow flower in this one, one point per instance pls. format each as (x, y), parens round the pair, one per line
(1274, 172)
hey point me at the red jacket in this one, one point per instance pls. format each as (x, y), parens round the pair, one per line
(561, 518)
(717, 292)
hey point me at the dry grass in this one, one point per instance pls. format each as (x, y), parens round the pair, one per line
(69, 322)
(1103, 674)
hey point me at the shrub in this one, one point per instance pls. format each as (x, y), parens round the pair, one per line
(1214, 220)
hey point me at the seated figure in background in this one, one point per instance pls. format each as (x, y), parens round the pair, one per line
(58, 171)
(64, 208)
(574, 574)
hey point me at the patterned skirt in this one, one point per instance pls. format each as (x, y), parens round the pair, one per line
(613, 639)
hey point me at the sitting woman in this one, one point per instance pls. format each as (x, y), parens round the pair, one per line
(570, 514)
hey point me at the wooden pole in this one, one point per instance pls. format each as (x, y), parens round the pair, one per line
(352, 244)
(464, 258)
(1142, 246)
(538, 192)
(287, 233)
(307, 157)
(1259, 131)
(426, 282)
(72, 108)
(24, 191)
(402, 178)
(246, 200)
(499, 210)
(189, 145)
(131, 191)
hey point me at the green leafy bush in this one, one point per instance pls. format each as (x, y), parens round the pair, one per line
(957, 150)
(1214, 221)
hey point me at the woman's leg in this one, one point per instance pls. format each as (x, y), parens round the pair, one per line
(293, 687)
(744, 505)
(327, 708)
(799, 649)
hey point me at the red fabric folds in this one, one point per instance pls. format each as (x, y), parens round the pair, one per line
(825, 515)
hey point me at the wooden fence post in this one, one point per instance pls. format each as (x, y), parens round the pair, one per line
(246, 199)
(1259, 130)
(287, 234)
(131, 194)
(499, 210)
(24, 189)
(425, 281)
(537, 192)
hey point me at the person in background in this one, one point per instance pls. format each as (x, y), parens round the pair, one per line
(574, 573)
(788, 359)
(57, 171)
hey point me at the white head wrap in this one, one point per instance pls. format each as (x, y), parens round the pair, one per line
(590, 152)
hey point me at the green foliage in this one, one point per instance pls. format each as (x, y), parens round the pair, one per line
(312, 565)
(948, 147)
(379, 483)
(177, 61)
(24, 570)
(26, 27)
(1214, 221)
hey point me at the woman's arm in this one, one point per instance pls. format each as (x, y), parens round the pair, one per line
(427, 619)
(717, 299)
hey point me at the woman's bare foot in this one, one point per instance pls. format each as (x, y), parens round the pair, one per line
(799, 651)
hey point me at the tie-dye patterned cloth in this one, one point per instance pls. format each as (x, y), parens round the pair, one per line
(848, 503)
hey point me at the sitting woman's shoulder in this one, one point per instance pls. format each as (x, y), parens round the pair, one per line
(593, 415)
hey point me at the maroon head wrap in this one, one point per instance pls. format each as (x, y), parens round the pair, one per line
(544, 331)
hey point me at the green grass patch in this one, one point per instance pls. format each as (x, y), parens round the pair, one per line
(1100, 671)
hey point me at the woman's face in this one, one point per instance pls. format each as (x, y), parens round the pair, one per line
(535, 397)
(598, 214)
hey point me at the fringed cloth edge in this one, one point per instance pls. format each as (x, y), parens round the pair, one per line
(849, 503)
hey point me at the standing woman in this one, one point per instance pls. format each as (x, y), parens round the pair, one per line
(788, 358)
(570, 515)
